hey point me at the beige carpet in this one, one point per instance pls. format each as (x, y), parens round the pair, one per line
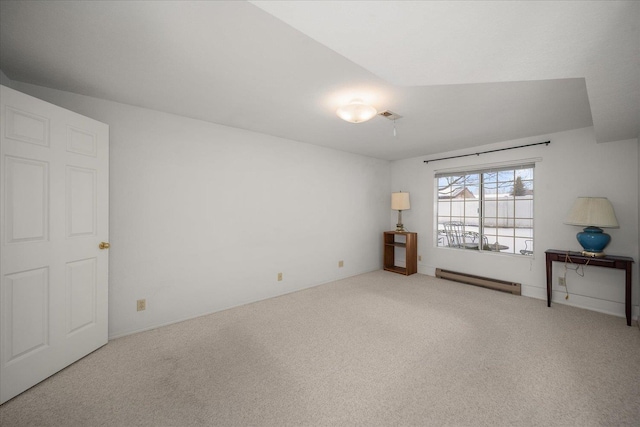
(375, 349)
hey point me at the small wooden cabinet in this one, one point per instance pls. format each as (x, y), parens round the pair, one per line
(403, 240)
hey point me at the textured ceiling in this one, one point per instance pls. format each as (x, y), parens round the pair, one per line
(461, 74)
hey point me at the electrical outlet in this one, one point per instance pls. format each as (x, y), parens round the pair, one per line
(562, 281)
(279, 277)
(340, 264)
(142, 304)
(419, 257)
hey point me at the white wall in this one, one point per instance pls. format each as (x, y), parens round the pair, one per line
(204, 216)
(4, 80)
(572, 165)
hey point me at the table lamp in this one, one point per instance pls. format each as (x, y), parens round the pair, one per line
(400, 202)
(592, 213)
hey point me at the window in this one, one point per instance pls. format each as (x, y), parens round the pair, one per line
(486, 209)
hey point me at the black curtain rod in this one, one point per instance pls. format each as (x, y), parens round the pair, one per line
(489, 151)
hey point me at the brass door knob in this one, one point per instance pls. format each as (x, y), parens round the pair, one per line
(104, 245)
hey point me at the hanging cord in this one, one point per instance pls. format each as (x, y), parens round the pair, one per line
(579, 269)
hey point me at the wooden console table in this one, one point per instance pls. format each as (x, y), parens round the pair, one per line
(610, 261)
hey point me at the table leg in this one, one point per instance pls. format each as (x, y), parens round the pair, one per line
(627, 294)
(549, 270)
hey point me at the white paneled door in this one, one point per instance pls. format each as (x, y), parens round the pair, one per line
(54, 188)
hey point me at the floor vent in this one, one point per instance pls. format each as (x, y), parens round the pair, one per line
(499, 285)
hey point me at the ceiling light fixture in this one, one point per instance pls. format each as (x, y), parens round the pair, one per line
(356, 112)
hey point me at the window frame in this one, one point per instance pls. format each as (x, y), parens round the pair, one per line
(490, 236)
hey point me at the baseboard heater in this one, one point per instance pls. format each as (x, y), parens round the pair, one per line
(470, 279)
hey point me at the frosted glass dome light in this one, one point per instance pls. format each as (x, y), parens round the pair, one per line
(356, 112)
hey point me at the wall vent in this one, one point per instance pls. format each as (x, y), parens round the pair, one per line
(390, 115)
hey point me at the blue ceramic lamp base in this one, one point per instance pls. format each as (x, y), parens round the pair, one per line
(593, 241)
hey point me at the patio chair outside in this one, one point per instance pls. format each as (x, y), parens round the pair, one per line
(458, 238)
(528, 248)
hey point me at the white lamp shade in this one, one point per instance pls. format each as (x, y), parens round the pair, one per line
(592, 212)
(356, 112)
(400, 201)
